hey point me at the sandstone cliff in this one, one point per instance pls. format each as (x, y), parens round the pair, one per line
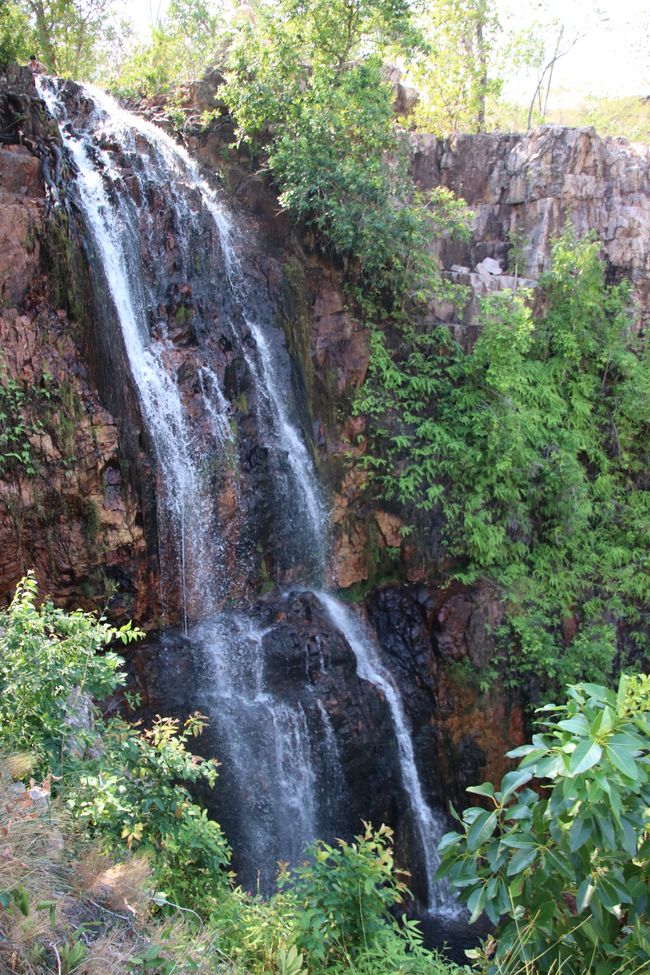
(67, 510)
(84, 519)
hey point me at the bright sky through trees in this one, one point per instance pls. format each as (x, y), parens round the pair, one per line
(610, 58)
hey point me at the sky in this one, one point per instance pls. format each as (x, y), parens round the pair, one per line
(611, 54)
(610, 57)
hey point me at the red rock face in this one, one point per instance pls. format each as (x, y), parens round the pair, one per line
(73, 518)
(476, 721)
(21, 211)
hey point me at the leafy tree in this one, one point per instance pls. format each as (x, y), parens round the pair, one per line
(132, 794)
(455, 76)
(48, 661)
(530, 450)
(560, 858)
(71, 34)
(121, 782)
(183, 44)
(307, 89)
(15, 33)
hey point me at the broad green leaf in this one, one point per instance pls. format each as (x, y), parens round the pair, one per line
(517, 812)
(513, 781)
(622, 759)
(449, 841)
(559, 864)
(577, 725)
(598, 693)
(519, 842)
(476, 903)
(486, 789)
(520, 861)
(587, 754)
(481, 829)
(580, 832)
(550, 767)
(628, 739)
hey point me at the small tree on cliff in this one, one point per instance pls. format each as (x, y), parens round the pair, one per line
(455, 76)
(308, 91)
(564, 869)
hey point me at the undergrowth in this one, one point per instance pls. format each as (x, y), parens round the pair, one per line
(530, 454)
(107, 865)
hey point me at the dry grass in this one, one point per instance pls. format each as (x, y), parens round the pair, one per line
(57, 899)
(120, 887)
(109, 954)
(65, 892)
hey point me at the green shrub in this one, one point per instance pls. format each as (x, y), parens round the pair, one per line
(344, 894)
(308, 93)
(48, 660)
(530, 452)
(560, 858)
(135, 794)
(17, 404)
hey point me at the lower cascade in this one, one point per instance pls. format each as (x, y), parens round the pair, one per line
(280, 675)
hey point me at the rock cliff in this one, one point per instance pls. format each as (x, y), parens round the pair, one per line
(67, 508)
(80, 510)
(525, 188)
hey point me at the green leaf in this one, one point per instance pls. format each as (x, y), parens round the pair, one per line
(587, 754)
(486, 789)
(622, 758)
(520, 861)
(476, 903)
(580, 831)
(481, 829)
(584, 895)
(513, 781)
(577, 725)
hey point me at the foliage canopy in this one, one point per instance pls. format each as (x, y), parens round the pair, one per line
(532, 450)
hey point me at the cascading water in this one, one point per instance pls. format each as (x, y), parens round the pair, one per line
(155, 224)
(114, 224)
(302, 488)
(265, 739)
(369, 667)
(268, 766)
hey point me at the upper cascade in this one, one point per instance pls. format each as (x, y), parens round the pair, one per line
(166, 247)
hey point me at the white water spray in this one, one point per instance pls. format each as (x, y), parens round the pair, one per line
(370, 668)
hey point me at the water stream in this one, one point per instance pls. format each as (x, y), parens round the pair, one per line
(429, 828)
(155, 223)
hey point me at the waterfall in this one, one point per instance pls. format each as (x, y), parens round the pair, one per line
(268, 765)
(301, 491)
(154, 224)
(369, 667)
(114, 224)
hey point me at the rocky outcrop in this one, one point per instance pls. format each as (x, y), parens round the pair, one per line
(525, 188)
(67, 509)
(21, 212)
(439, 643)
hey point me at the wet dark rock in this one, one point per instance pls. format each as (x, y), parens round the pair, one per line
(307, 664)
